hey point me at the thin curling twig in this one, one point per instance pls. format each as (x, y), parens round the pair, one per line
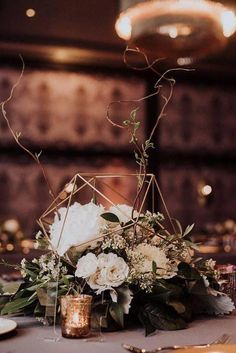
(16, 135)
(141, 149)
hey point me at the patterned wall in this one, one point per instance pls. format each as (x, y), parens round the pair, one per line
(180, 187)
(56, 109)
(198, 136)
(24, 194)
(200, 118)
(63, 112)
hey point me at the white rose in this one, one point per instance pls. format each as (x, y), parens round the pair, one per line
(79, 225)
(123, 212)
(107, 260)
(152, 254)
(112, 272)
(86, 265)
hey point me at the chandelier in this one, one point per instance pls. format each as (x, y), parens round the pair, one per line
(176, 28)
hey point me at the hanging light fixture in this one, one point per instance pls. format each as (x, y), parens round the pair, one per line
(178, 29)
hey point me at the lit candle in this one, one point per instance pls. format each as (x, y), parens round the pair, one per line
(75, 315)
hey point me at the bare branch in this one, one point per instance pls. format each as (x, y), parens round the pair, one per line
(17, 135)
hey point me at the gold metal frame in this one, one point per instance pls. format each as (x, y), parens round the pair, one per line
(66, 196)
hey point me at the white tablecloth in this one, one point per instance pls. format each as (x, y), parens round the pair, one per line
(32, 337)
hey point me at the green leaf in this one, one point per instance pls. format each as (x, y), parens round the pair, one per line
(162, 317)
(117, 314)
(178, 306)
(65, 280)
(154, 267)
(136, 155)
(99, 317)
(178, 225)
(11, 287)
(192, 245)
(22, 291)
(16, 306)
(32, 274)
(164, 291)
(39, 310)
(149, 328)
(188, 230)
(110, 217)
(187, 272)
(94, 199)
(4, 299)
(34, 287)
(134, 113)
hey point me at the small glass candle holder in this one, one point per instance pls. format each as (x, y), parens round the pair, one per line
(75, 315)
(228, 280)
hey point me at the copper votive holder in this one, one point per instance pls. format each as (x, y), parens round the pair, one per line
(75, 315)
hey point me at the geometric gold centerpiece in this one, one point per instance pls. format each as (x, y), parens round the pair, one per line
(102, 189)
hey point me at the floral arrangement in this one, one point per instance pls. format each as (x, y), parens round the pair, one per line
(133, 269)
(126, 257)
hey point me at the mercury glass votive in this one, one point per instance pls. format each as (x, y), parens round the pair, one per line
(75, 315)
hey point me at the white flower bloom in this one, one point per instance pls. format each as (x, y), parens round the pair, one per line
(107, 260)
(205, 281)
(210, 263)
(23, 263)
(123, 212)
(187, 255)
(82, 224)
(112, 272)
(152, 254)
(87, 265)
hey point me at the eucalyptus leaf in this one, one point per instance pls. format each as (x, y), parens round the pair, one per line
(206, 300)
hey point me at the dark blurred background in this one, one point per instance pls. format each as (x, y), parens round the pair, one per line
(74, 69)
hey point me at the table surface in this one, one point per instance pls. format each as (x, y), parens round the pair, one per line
(32, 337)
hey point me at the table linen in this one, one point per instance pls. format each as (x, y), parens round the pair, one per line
(33, 337)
